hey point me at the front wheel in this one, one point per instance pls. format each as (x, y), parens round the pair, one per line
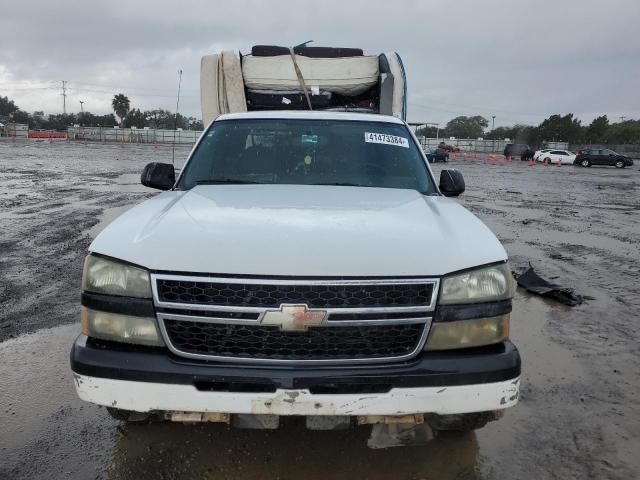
(620, 164)
(585, 163)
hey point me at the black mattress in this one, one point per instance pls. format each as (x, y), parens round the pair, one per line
(312, 52)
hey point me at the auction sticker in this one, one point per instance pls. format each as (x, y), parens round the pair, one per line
(386, 139)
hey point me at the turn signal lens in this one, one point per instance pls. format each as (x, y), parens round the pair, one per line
(468, 333)
(120, 328)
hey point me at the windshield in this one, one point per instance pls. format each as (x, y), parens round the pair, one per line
(308, 152)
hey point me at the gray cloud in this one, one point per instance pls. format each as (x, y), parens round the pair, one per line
(520, 61)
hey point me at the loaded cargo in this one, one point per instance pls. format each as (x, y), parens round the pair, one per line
(302, 78)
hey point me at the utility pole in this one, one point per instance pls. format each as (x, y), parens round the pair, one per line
(493, 122)
(81, 113)
(64, 97)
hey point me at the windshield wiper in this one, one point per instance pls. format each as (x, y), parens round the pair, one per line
(227, 181)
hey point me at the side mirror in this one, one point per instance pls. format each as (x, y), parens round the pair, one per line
(451, 183)
(161, 176)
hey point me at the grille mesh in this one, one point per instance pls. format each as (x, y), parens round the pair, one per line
(315, 296)
(322, 343)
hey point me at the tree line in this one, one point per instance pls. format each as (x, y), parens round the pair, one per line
(560, 128)
(157, 118)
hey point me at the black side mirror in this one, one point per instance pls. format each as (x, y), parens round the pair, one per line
(158, 175)
(451, 183)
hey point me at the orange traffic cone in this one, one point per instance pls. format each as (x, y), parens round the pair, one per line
(473, 157)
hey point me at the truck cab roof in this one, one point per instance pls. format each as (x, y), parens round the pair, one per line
(311, 115)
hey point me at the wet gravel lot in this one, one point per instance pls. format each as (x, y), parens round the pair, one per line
(579, 415)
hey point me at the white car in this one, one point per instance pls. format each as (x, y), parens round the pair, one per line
(538, 153)
(303, 263)
(554, 156)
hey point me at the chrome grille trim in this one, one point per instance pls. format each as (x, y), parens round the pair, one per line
(329, 323)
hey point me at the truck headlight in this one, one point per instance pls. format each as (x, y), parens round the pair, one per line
(120, 328)
(109, 277)
(488, 284)
(468, 333)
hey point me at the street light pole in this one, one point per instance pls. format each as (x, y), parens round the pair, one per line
(493, 122)
(437, 125)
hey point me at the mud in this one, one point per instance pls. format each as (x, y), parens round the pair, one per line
(579, 415)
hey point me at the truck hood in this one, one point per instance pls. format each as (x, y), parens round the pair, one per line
(300, 231)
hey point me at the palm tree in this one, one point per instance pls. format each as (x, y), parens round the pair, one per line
(121, 104)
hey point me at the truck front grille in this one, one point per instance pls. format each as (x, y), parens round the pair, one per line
(270, 343)
(250, 320)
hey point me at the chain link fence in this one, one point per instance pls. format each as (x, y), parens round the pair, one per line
(133, 135)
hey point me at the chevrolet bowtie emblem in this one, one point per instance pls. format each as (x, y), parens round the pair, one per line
(294, 318)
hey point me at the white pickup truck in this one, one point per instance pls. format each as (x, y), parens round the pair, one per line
(302, 263)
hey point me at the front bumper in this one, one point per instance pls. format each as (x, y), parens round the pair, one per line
(436, 382)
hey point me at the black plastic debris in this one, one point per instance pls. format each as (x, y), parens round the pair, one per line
(533, 283)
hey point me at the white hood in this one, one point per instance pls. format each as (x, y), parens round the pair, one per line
(300, 231)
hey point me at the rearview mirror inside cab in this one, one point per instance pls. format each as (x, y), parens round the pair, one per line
(451, 183)
(161, 176)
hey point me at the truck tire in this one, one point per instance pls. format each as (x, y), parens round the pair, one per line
(465, 422)
(128, 416)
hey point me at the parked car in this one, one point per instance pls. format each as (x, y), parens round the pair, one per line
(602, 156)
(555, 156)
(514, 149)
(527, 155)
(541, 152)
(448, 148)
(437, 155)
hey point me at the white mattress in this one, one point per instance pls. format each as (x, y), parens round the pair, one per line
(398, 84)
(346, 76)
(209, 102)
(221, 86)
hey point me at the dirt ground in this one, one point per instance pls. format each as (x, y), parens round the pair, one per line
(579, 414)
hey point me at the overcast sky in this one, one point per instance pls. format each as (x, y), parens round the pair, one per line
(518, 60)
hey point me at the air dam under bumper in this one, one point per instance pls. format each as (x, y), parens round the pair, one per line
(433, 383)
